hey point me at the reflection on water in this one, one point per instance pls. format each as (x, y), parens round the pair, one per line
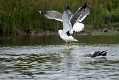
(54, 62)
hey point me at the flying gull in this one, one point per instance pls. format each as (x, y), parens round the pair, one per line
(71, 22)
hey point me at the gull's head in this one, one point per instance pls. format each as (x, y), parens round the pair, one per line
(61, 34)
(60, 31)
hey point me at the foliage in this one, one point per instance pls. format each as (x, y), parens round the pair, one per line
(21, 16)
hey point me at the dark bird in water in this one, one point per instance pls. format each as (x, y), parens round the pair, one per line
(97, 53)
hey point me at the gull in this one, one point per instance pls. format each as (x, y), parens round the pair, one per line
(71, 22)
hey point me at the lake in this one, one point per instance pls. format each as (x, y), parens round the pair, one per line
(46, 58)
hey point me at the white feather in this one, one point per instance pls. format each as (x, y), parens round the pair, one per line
(65, 37)
(78, 27)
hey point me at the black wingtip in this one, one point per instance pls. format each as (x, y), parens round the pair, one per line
(67, 7)
(42, 12)
(85, 5)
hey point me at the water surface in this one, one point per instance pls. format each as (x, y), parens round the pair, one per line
(55, 62)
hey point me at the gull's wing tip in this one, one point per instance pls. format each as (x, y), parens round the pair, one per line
(42, 12)
(51, 14)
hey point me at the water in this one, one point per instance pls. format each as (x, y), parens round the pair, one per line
(55, 62)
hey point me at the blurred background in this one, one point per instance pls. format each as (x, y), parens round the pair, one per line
(21, 17)
(30, 48)
(20, 21)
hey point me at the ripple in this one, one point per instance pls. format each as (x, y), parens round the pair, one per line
(54, 62)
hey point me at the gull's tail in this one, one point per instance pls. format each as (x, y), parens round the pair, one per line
(72, 38)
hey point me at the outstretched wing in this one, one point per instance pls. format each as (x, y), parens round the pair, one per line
(80, 14)
(52, 15)
(66, 23)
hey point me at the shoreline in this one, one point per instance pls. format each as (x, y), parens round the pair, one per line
(49, 33)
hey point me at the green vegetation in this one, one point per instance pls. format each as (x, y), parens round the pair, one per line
(22, 17)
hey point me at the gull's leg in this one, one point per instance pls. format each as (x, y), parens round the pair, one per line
(67, 45)
(70, 43)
